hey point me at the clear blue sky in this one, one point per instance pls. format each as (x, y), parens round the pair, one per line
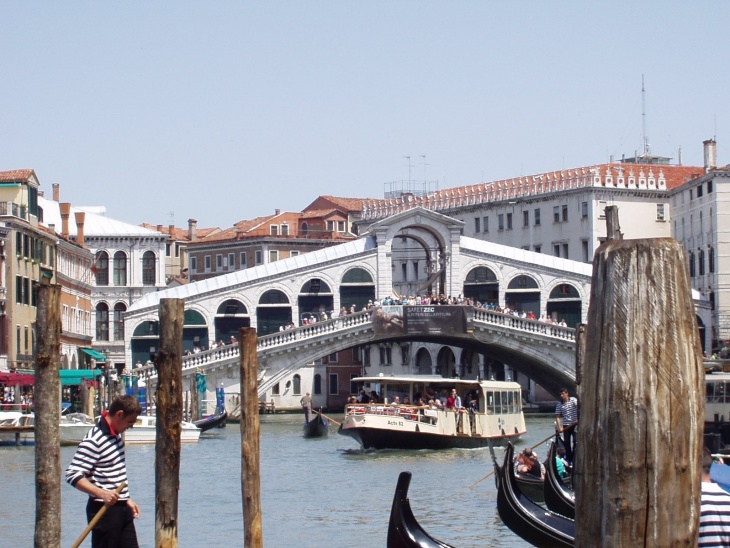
(224, 111)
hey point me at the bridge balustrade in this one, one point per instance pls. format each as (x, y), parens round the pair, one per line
(523, 324)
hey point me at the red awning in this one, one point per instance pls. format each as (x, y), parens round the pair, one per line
(11, 379)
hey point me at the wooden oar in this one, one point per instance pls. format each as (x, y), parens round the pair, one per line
(95, 520)
(492, 472)
(329, 418)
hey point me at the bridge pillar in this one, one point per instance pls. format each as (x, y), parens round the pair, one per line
(384, 285)
(454, 286)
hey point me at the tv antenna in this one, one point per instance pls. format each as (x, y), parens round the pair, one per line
(643, 118)
(409, 170)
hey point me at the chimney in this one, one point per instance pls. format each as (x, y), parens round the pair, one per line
(192, 229)
(56, 192)
(65, 209)
(277, 211)
(80, 219)
(710, 155)
(171, 229)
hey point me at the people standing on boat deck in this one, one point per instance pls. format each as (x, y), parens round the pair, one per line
(306, 403)
(98, 468)
(714, 509)
(566, 416)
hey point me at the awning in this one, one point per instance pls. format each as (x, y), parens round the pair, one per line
(11, 379)
(98, 356)
(72, 377)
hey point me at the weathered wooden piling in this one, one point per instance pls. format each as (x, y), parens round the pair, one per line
(250, 431)
(642, 401)
(46, 404)
(169, 417)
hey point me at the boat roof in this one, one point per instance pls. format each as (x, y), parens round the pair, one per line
(399, 379)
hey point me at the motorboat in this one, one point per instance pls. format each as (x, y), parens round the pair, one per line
(404, 531)
(17, 428)
(74, 427)
(717, 411)
(491, 412)
(317, 427)
(145, 431)
(527, 519)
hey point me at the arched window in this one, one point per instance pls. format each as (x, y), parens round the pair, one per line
(149, 267)
(711, 258)
(305, 229)
(691, 259)
(317, 389)
(701, 261)
(120, 268)
(101, 268)
(274, 296)
(523, 282)
(357, 276)
(102, 322)
(297, 385)
(119, 310)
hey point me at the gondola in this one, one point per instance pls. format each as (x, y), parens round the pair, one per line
(530, 521)
(558, 496)
(212, 421)
(403, 529)
(531, 486)
(317, 427)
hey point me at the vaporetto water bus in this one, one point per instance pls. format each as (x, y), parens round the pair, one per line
(496, 414)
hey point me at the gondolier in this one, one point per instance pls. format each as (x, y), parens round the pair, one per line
(566, 416)
(306, 403)
(98, 468)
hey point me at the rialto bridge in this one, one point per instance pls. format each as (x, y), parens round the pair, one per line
(415, 253)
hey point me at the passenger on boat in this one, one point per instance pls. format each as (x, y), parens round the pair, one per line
(527, 463)
(560, 463)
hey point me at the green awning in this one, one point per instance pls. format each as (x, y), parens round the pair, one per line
(98, 356)
(72, 377)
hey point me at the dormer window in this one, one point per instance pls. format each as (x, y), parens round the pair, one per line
(274, 230)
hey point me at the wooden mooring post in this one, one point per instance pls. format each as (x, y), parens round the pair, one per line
(169, 417)
(250, 431)
(637, 470)
(47, 405)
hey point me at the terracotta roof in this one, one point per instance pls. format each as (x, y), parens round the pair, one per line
(639, 176)
(320, 213)
(181, 233)
(16, 175)
(347, 204)
(351, 204)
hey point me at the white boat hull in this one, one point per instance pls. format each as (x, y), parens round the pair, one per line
(145, 431)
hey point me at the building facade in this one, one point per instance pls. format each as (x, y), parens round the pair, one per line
(701, 223)
(129, 262)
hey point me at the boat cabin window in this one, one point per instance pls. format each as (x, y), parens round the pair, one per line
(393, 390)
(717, 392)
(503, 402)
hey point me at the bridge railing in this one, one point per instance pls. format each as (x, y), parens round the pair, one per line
(230, 352)
(523, 324)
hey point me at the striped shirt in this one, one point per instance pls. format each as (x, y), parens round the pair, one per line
(714, 516)
(100, 458)
(568, 411)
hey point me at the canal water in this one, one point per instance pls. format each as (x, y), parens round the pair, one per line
(315, 492)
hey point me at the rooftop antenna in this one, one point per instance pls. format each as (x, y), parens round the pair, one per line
(643, 118)
(409, 170)
(424, 167)
(172, 218)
